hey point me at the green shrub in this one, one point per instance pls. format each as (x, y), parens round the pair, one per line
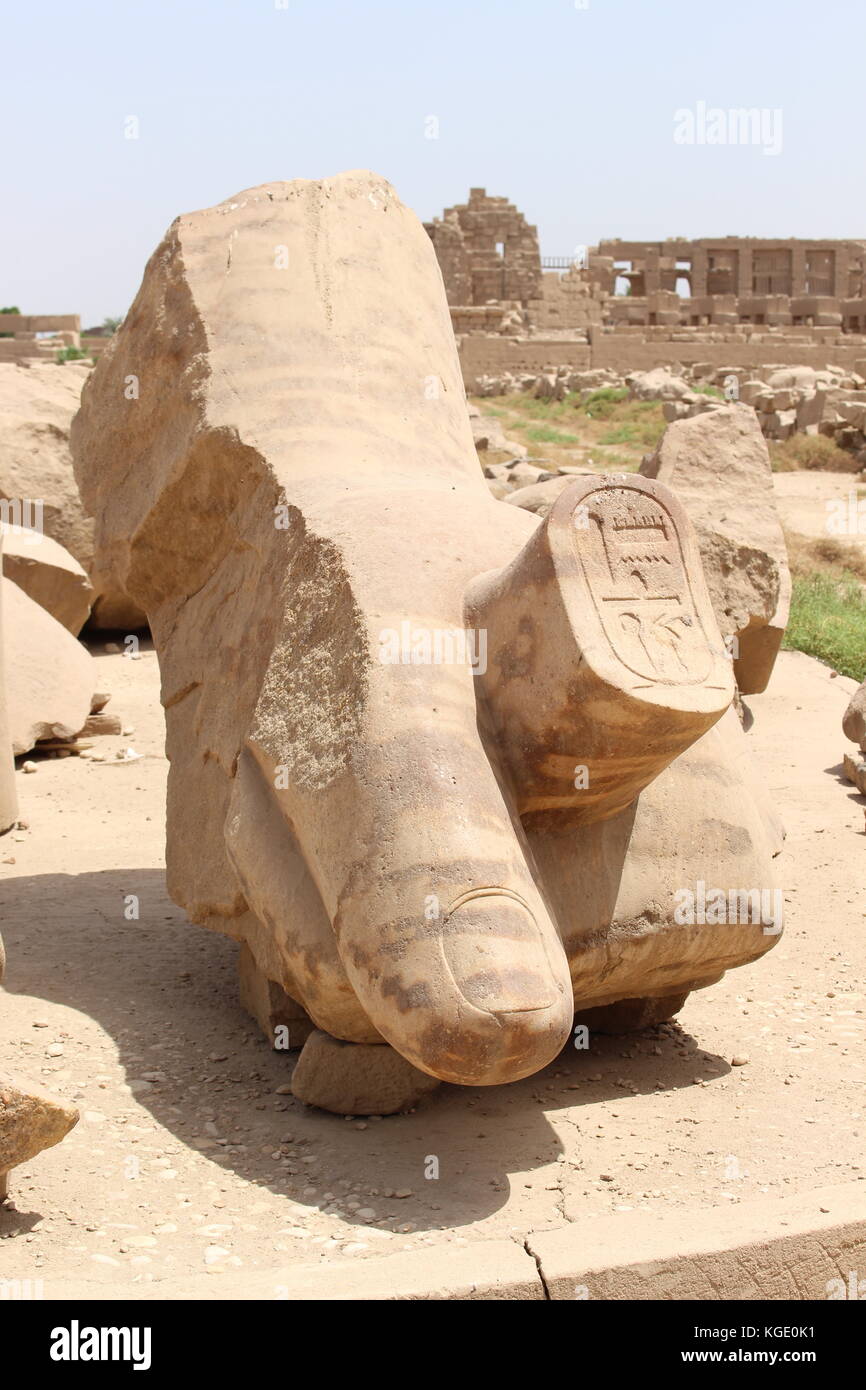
(69, 354)
(602, 403)
(811, 451)
(9, 309)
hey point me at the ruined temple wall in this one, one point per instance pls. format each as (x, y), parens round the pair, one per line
(566, 301)
(637, 353)
(629, 351)
(491, 356)
(486, 250)
(19, 341)
(453, 257)
(750, 265)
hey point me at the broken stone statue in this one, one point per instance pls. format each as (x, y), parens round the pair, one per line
(447, 771)
(719, 467)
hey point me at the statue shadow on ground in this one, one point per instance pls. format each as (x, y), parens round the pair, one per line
(165, 992)
(855, 796)
(838, 771)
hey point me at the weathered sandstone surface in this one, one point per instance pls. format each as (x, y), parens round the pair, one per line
(719, 467)
(295, 500)
(37, 403)
(50, 676)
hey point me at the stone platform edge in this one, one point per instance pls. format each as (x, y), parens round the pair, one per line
(793, 1247)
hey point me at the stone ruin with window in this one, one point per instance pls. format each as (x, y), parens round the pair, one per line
(487, 252)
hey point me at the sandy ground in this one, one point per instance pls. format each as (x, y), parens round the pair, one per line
(802, 499)
(189, 1157)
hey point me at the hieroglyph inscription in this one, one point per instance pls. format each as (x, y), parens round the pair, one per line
(637, 577)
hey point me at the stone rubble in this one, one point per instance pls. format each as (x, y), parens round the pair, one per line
(50, 676)
(787, 401)
(854, 728)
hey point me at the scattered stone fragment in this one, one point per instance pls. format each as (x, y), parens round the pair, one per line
(30, 1120)
(357, 1078)
(854, 718)
(101, 724)
(49, 575)
(719, 467)
(49, 675)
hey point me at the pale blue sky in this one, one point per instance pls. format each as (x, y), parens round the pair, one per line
(567, 111)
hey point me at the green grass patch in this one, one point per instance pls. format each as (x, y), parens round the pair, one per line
(828, 621)
(545, 434)
(602, 403)
(639, 423)
(542, 409)
(620, 434)
(607, 419)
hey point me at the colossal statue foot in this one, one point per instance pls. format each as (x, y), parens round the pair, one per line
(444, 770)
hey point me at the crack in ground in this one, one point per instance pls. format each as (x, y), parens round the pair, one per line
(531, 1253)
